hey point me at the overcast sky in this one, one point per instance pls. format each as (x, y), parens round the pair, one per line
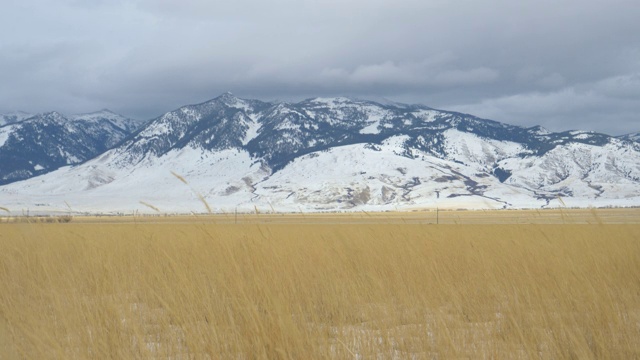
(562, 64)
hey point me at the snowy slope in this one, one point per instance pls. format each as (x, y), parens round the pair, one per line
(328, 154)
(98, 187)
(631, 137)
(361, 177)
(365, 178)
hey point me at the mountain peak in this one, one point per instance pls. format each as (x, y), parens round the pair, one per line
(51, 115)
(229, 100)
(228, 95)
(539, 130)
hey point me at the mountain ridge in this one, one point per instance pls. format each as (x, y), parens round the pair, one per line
(44, 142)
(13, 117)
(631, 137)
(244, 153)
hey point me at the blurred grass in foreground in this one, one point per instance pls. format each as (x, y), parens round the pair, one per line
(317, 291)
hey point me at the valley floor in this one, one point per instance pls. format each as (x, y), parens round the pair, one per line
(541, 216)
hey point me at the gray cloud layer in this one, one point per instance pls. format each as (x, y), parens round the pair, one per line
(561, 64)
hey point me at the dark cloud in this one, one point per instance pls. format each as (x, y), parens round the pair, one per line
(562, 64)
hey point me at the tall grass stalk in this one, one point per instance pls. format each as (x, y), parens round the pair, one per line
(197, 193)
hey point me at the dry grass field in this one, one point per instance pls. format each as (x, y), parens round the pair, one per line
(373, 286)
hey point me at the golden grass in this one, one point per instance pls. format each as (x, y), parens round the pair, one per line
(317, 291)
(150, 206)
(197, 193)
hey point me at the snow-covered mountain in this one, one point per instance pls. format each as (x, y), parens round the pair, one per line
(38, 144)
(631, 137)
(328, 154)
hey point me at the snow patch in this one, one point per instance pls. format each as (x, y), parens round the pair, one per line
(374, 126)
(252, 131)
(4, 134)
(426, 115)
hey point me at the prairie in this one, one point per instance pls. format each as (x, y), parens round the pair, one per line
(317, 287)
